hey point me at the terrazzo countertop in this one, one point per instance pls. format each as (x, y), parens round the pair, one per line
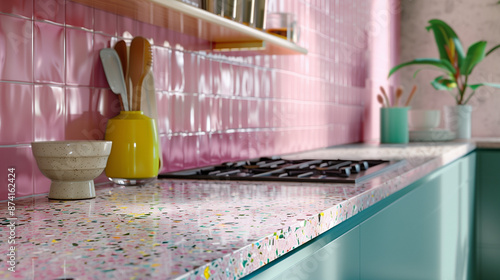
(180, 229)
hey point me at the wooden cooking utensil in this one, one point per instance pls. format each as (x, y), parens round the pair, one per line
(141, 59)
(399, 93)
(380, 100)
(387, 101)
(411, 95)
(121, 49)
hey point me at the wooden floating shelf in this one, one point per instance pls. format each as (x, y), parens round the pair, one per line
(224, 34)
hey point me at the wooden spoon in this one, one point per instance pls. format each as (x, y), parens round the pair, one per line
(388, 102)
(141, 59)
(121, 50)
(380, 100)
(411, 95)
(399, 93)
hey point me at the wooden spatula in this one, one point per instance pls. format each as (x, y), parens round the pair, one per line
(141, 60)
(121, 49)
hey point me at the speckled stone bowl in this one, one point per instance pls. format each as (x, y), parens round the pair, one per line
(72, 166)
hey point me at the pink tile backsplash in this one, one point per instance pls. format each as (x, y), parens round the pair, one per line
(16, 114)
(48, 55)
(50, 10)
(79, 57)
(212, 107)
(105, 22)
(49, 113)
(78, 15)
(16, 54)
(19, 7)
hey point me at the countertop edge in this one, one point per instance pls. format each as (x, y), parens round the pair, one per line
(291, 237)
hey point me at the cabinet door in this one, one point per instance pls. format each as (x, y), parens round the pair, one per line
(488, 215)
(338, 259)
(425, 233)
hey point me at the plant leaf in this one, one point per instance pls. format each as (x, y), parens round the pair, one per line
(494, 48)
(476, 86)
(475, 54)
(440, 63)
(443, 35)
(440, 83)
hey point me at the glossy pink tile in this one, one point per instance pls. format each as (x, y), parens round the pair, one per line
(253, 144)
(225, 144)
(192, 110)
(175, 160)
(79, 57)
(254, 108)
(16, 35)
(78, 15)
(191, 151)
(215, 116)
(240, 146)
(203, 150)
(126, 27)
(265, 113)
(16, 113)
(99, 77)
(191, 72)
(20, 161)
(146, 30)
(204, 112)
(243, 107)
(165, 144)
(87, 112)
(237, 74)
(178, 76)
(105, 22)
(215, 148)
(247, 82)
(225, 114)
(19, 7)
(49, 113)
(48, 58)
(205, 75)
(216, 76)
(161, 67)
(163, 100)
(177, 113)
(226, 79)
(235, 113)
(50, 10)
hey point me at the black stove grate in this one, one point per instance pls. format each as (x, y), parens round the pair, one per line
(279, 169)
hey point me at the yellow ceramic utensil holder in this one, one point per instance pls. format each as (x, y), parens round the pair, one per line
(134, 158)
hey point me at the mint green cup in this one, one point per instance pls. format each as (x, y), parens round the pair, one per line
(394, 125)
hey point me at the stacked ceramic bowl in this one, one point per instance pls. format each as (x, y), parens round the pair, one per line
(424, 126)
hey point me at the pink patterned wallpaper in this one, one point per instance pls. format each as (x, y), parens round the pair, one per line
(212, 107)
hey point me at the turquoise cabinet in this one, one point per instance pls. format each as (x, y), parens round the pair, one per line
(427, 233)
(488, 215)
(424, 231)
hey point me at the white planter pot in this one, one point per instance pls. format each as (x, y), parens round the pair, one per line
(457, 118)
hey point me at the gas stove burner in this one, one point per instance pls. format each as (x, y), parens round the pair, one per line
(279, 169)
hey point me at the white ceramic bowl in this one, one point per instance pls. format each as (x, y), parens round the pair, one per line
(72, 166)
(424, 119)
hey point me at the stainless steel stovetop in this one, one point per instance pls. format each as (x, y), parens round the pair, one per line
(279, 169)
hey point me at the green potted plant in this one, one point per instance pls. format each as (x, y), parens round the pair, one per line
(456, 67)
